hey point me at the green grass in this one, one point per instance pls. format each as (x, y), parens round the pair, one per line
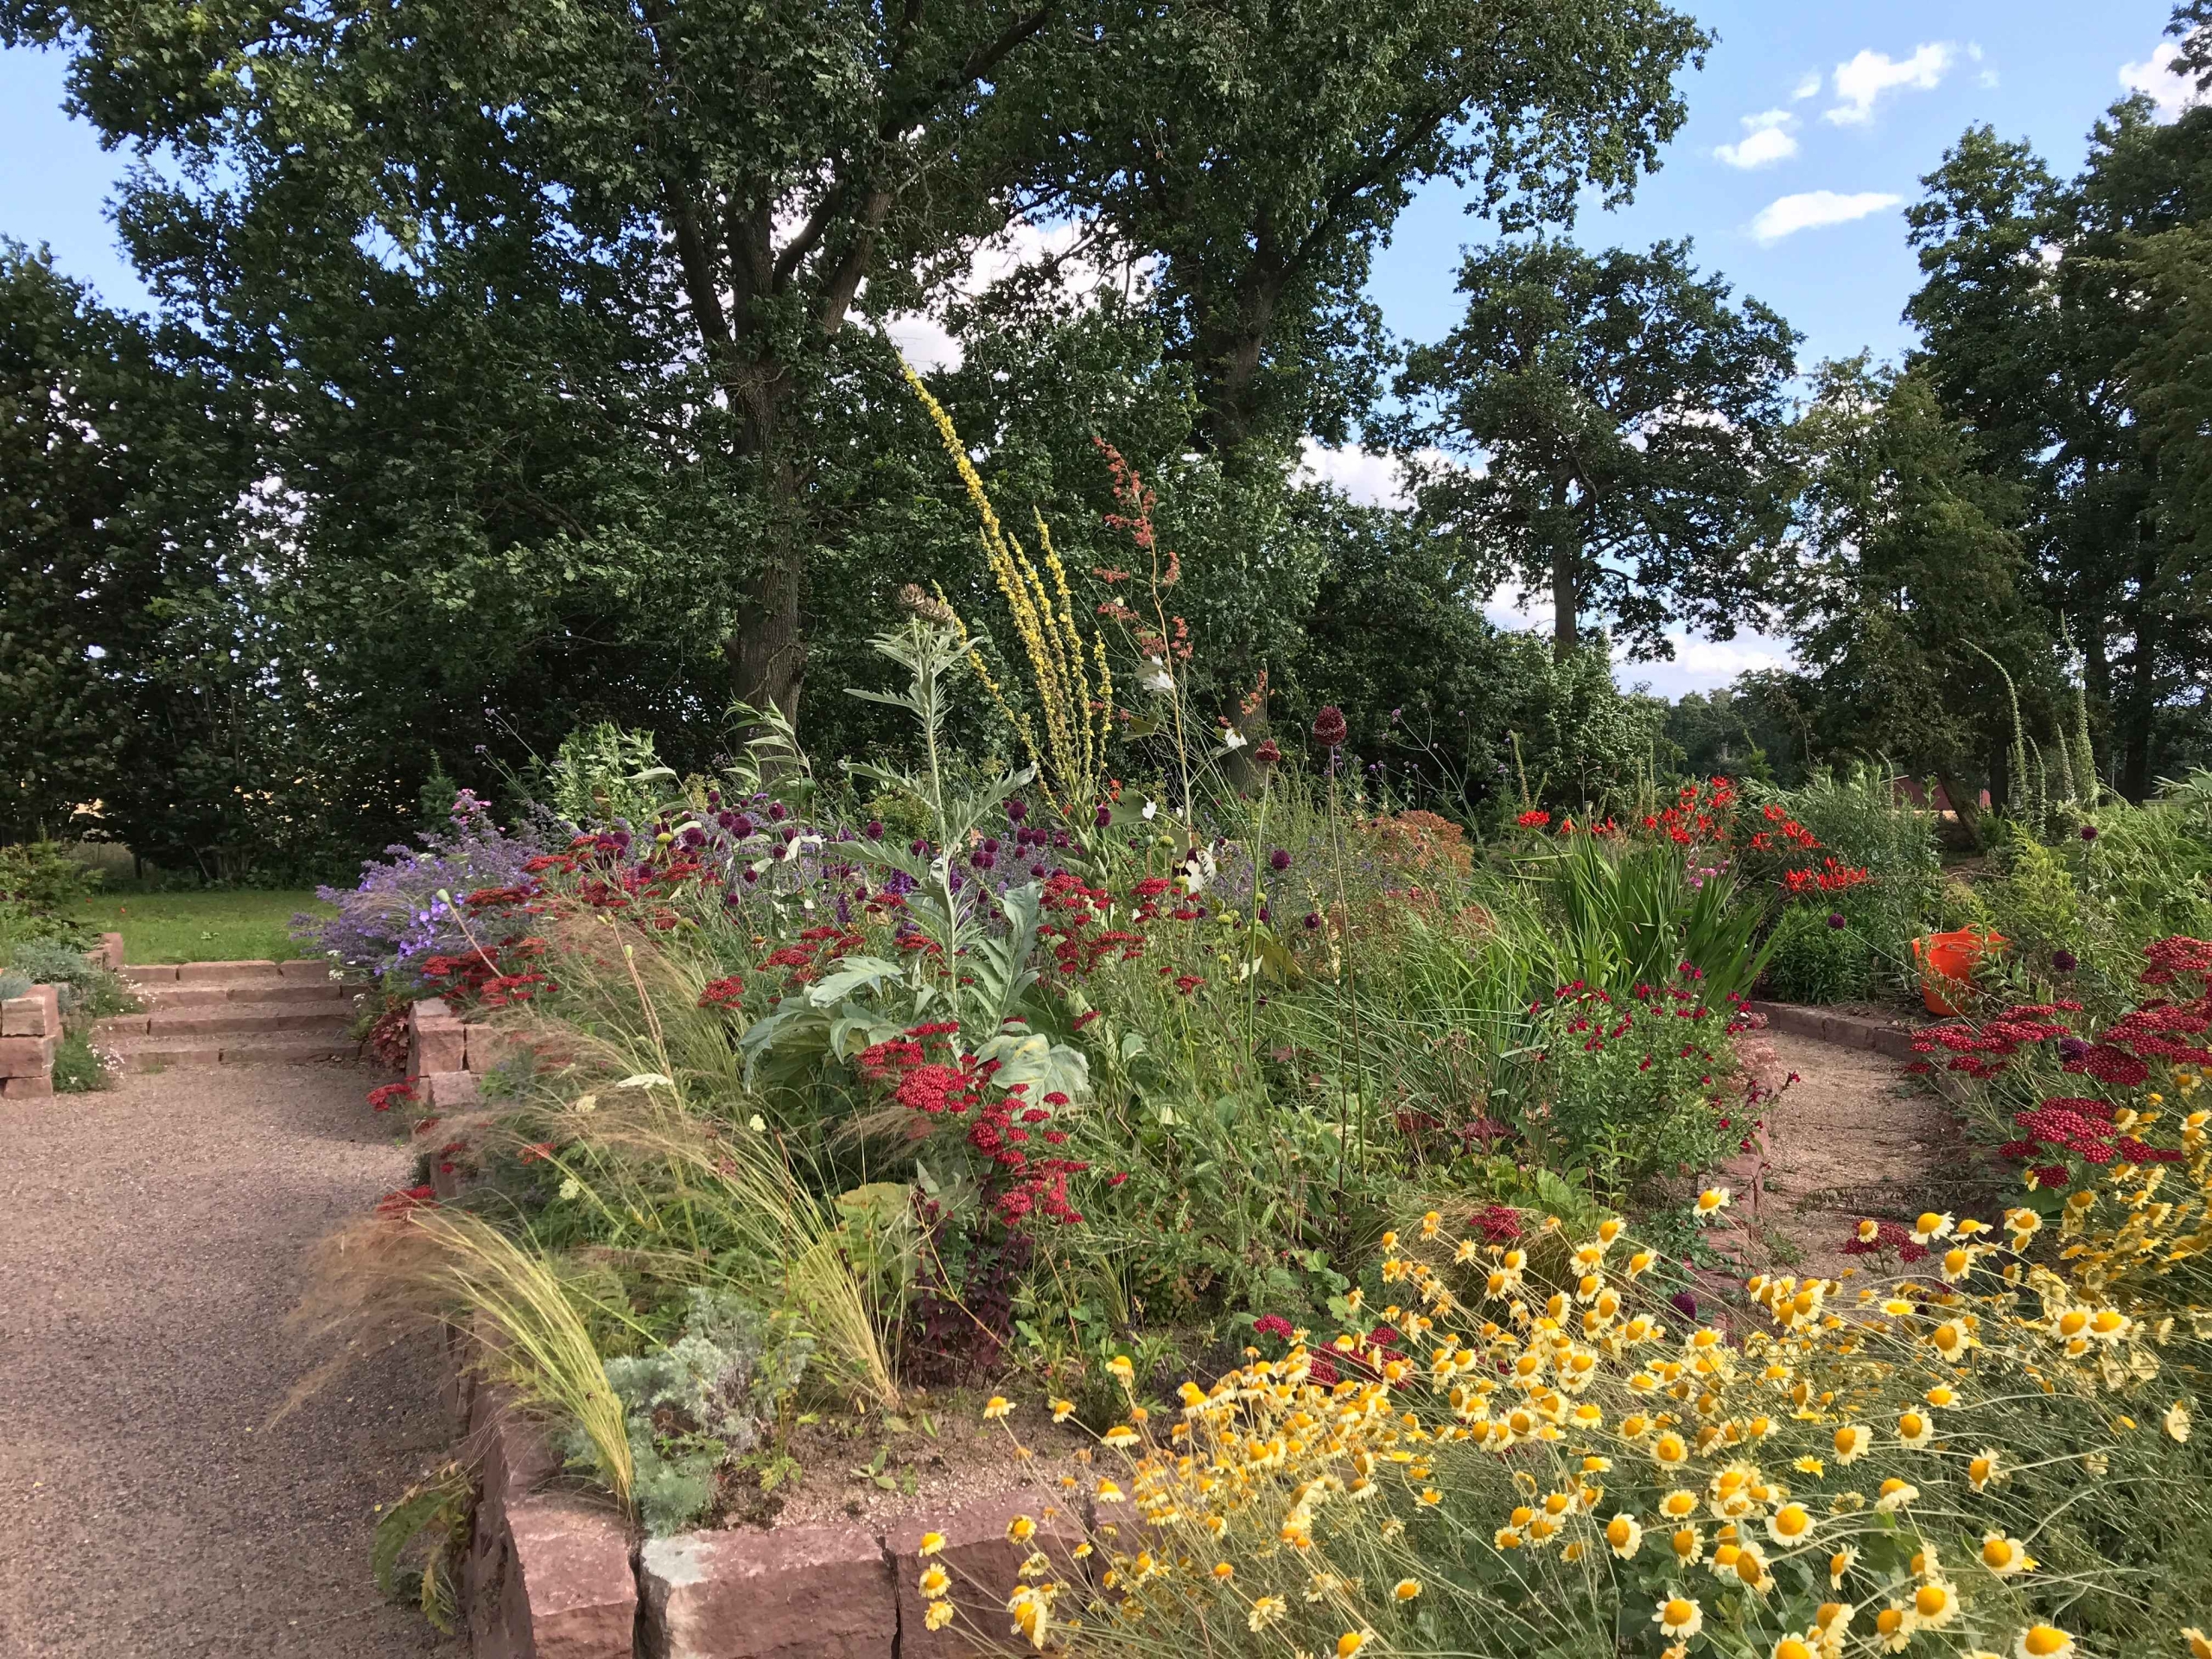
(229, 925)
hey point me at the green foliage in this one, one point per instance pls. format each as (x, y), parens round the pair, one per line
(77, 1069)
(1633, 919)
(431, 1521)
(702, 1400)
(601, 773)
(42, 874)
(1570, 377)
(1864, 821)
(1808, 961)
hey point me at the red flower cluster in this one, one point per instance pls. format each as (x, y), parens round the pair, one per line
(1833, 876)
(1702, 812)
(1021, 1184)
(1072, 909)
(2071, 1124)
(394, 1206)
(383, 1098)
(1534, 818)
(1982, 1051)
(1888, 1236)
(2176, 956)
(722, 993)
(1498, 1223)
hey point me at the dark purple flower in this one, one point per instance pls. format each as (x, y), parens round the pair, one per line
(1683, 1303)
(2088, 832)
(917, 847)
(1836, 921)
(1328, 728)
(2071, 1049)
(741, 825)
(1279, 860)
(1263, 912)
(1103, 815)
(1312, 920)
(874, 829)
(1267, 754)
(1016, 811)
(2063, 961)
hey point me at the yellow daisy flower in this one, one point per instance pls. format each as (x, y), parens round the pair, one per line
(2044, 1641)
(2005, 1557)
(1679, 1619)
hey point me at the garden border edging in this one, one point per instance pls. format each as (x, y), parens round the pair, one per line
(31, 1030)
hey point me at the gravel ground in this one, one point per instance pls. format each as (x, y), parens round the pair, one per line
(1854, 1137)
(155, 1499)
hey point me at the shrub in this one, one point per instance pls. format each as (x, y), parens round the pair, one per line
(41, 875)
(79, 1068)
(85, 987)
(1810, 960)
(1863, 822)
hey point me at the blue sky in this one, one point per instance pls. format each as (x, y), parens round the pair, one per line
(1803, 113)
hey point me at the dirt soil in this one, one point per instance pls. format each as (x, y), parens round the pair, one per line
(166, 1488)
(1854, 1137)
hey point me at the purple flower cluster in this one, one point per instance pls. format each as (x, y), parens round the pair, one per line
(393, 919)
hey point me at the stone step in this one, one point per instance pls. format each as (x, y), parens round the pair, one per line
(324, 1018)
(170, 997)
(148, 1053)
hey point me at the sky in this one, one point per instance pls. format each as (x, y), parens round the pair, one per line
(1808, 130)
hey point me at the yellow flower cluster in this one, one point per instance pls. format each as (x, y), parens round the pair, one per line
(1073, 683)
(1541, 1462)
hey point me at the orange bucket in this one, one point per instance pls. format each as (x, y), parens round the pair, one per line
(1946, 964)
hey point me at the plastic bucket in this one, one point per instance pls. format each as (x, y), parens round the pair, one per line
(1946, 964)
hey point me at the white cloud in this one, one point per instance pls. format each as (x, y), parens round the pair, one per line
(1766, 140)
(1703, 665)
(1371, 480)
(925, 340)
(1808, 87)
(1863, 80)
(1787, 215)
(2156, 77)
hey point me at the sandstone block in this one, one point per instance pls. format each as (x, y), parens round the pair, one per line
(36, 1088)
(434, 1039)
(309, 968)
(450, 1090)
(208, 973)
(37, 1013)
(984, 1563)
(28, 1057)
(483, 1048)
(152, 973)
(110, 955)
(806, 1593)
(566, 1587)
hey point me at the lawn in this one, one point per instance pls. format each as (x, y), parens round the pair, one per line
(229, 925)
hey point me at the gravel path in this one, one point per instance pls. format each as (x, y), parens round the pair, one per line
(156, 1499)
(1854, 1137)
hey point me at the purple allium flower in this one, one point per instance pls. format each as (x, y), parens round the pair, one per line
(1312, 920)
(1279, 860)
(2071, 1049)
(1103, 815)
(1330, 728)
(1263, 912)
(742, 825)
(874, 829)
(1683, 1303)
(1016, 810)
(2063, 961)
(917, 847)
(2088, 832)
(1836, 921)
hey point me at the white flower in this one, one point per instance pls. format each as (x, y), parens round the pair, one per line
(646, 1080)
(1157, 678)
(1152, 809)
(1232, 739)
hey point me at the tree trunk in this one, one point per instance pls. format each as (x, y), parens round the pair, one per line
(1566, 629)
(2134, 713)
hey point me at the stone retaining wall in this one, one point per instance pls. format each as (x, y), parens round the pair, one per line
(552, 1572)
(1851, 1030)
(30, 1030)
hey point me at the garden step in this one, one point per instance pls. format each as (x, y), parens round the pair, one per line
(148, 1053)
(171, 997)
(230, 1017)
